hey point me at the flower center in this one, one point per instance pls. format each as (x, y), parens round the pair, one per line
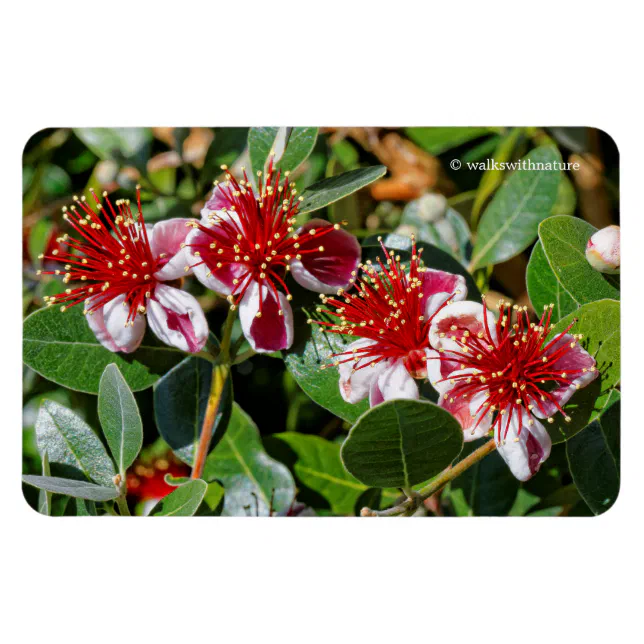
(112, 257)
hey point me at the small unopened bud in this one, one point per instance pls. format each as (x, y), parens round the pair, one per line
(602, 250)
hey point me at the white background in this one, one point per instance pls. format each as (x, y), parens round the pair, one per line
(321, 63)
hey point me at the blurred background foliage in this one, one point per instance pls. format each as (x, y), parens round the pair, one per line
(421, 193)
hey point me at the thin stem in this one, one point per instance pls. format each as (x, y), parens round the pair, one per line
(243, 356)
(122, 503)
(220, 373)
(416, 499)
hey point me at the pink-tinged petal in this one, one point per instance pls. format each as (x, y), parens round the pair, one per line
(525, 451)
(205, 267)
(439, 368)
(176, 318)
(126, 336)
(96, 321)
(355, 382)
(395, 382)
(330, 269)
(603, 250)
(166, 238)
(576, 363)
(375, 395)
(466, 316)
(439, 286)
(271, 331)
(220, 199)
(469, 413)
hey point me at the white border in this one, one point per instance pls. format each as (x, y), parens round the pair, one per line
(125, 63)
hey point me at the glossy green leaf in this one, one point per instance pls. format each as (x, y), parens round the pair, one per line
(182, 502)
(180, 401)
(311, 349)
(332, 189)
(254, 482)
(117, 143)
(260, 144)
(493, 177)
(120, 419)
(72, 487)
(319, 467)
(544, 288)
(401, 443)
(71, 445)
(509, 224)
(61, 347)
(436, 140)
(489, 487)
(300, 145)
(599, 322)
(564, 242)
(593, 456)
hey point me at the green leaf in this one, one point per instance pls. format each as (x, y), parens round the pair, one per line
(44, 498)
(489, 487)
(71, 487)
(254, 482)
(226, 147)
(260, 144)
(564, 242)
(120, 419)
(319, 467)
(509, 224)
(401, 443)
(599, 322)
(311, 349)
(71, 444)
(180, 401)
(300, 145)
(117, 143)
(55, 181)
(85, 508)
(566, 197)
(38, 238)
(332, 189)
(182, 502)
(544, 288)
(593, 456)
(62, 348)
(437, 140)
(493, 177)
(213, 501)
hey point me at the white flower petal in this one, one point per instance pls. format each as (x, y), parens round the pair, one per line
(354, 386)
(465, 316)
(395, 382)
(127, 337)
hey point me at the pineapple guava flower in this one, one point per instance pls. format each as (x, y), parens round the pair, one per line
(602, 250)
(390, 310)
(495, 374)
(126, 268)
(245, 244)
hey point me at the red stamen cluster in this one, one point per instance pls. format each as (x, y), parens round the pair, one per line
(387, 308)
(515, 372)
(112, 259)
(257, 240)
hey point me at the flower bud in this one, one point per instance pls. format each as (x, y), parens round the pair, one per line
(602, 251)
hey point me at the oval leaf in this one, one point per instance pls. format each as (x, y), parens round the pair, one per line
(260, 144)
(401, 443)
(254, 483)
(599, 322)
(71, 487)
(319, 467)
(71, 444)
(330, 190)
(544, 288)
(62, 348)
(509, 224)
(594, 461)
(118, 143)
(182, 502)
(300, 145)
(564, 242)
(180, 401)
(120, 419)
